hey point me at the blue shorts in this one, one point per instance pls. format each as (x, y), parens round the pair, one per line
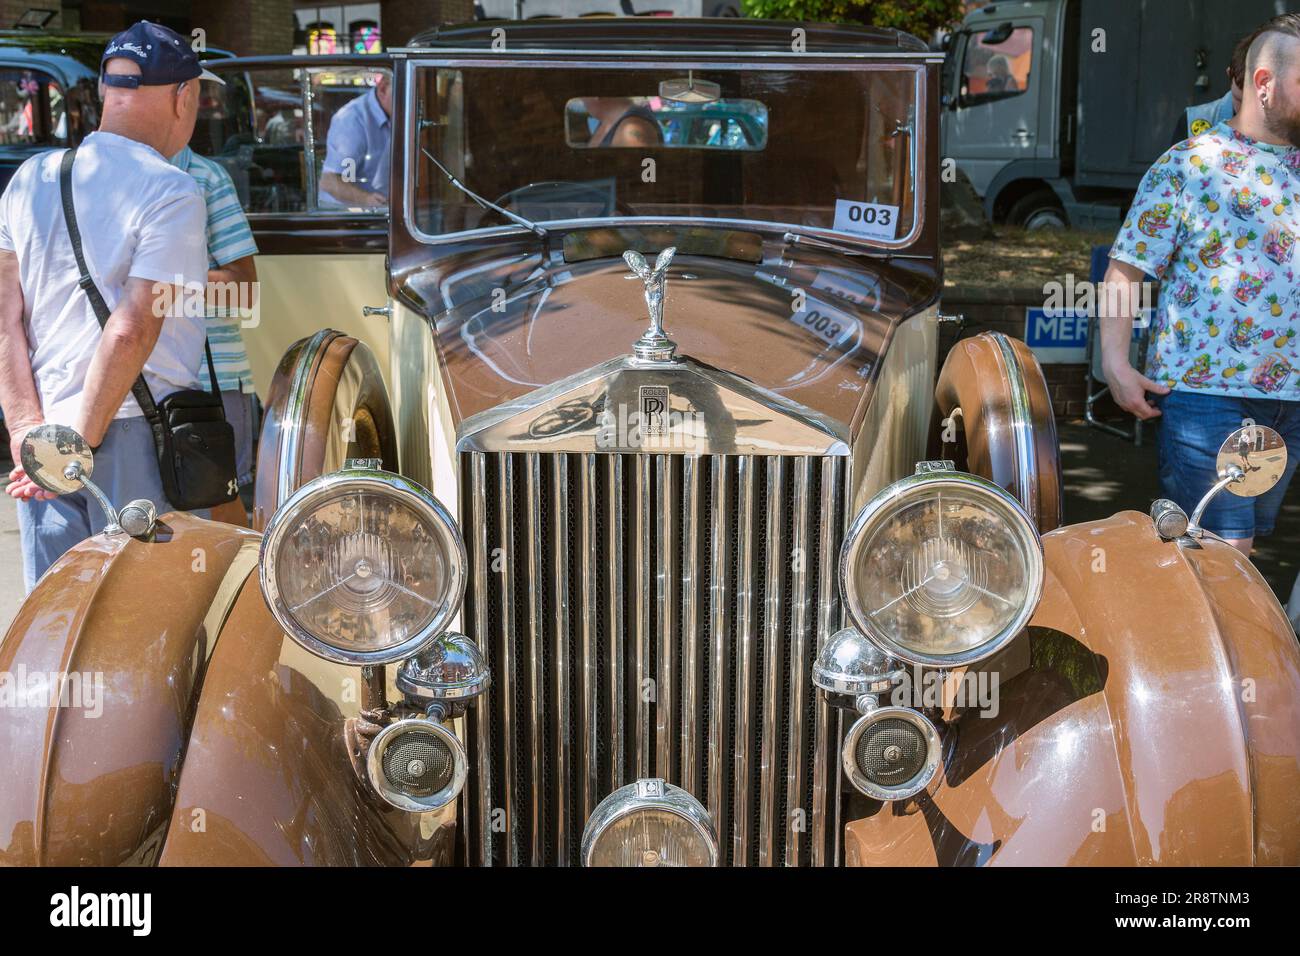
(1193, 426)
(126, 467)
(242, 417)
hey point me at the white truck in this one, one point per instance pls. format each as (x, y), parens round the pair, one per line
(1055, 108)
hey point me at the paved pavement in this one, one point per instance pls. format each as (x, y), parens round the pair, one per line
(11, 562)
(1103, 474)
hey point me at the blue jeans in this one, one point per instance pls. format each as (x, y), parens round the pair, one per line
(1193, 426)
(126, 467)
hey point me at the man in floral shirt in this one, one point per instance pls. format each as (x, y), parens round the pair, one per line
(1217, 220)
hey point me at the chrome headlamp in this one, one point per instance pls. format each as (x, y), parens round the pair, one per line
(941, 569)
(650, 823)
(362, 567)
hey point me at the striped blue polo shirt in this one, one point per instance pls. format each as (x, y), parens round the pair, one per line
(229, 238)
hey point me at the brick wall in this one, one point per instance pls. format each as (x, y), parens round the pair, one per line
(246, 27)
(402, 19)
(1004, 311)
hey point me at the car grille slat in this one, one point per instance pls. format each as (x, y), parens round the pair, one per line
(667, 582)
(616, 547)
(562, 743)
(693, 607)
(799, 686)
(652, 615)
(590, 674)
(746, 661)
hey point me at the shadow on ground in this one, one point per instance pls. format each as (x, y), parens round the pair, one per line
(1104, 474)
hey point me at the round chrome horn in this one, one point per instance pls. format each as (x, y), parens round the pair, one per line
(417, 765)
(891, 753)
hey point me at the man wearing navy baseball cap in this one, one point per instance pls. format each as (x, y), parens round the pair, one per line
(142, 225)
(163, 56)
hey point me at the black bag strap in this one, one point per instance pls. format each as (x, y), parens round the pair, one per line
(139, 388)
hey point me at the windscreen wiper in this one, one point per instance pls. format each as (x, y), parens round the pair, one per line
(516, 219)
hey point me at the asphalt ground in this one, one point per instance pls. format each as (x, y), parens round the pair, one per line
(1103, 474)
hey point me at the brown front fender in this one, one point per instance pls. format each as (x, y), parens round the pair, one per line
(992, 387)
(267, 778)
(132, 624)
(1155, 719)
(327, 403)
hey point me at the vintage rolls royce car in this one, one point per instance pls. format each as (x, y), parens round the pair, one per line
(652, 533)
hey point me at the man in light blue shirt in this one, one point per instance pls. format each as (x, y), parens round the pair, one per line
(355, 173)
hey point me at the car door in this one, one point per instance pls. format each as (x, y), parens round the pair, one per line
(319, 261)
(33, 114)
(995, 116)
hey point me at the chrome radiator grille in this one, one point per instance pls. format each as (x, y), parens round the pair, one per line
(652, 615)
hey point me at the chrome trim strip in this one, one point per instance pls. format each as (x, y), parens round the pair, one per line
(837, 802)
(800, 615)
(590, 561)
(746, 662)
(719, 639)
(482, 704)
(560, 664)
(293, 426)
(667, 583)
(692, 672)
(1022, 428)
(617, 624)
(438, 56)
(506, 693)
(827, 624)
(536, 727)
(773, 662)
(644, 503)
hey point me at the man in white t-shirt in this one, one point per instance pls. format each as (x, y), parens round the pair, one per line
(142, 224)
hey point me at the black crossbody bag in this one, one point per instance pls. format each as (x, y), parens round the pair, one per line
(195, 443)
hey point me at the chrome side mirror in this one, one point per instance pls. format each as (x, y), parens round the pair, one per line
(1250, 462)
(59, 461)
(57, 458)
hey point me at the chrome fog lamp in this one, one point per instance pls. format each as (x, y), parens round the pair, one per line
(891, 753)
(417, 764)
(650, 823)
(941, 568)
(362, 566)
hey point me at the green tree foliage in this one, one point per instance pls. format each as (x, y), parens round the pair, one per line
(918, 17)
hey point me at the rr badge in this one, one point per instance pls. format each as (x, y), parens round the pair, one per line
(653, 401)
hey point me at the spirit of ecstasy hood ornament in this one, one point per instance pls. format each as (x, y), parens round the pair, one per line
(653, 346)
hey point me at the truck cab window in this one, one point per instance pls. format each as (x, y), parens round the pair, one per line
(993, 70)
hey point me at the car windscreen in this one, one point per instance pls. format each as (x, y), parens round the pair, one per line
(827, 147)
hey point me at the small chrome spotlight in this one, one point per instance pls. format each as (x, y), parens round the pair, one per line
(850, 664)
(417, 765)
(450, 669)
(891, 753)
